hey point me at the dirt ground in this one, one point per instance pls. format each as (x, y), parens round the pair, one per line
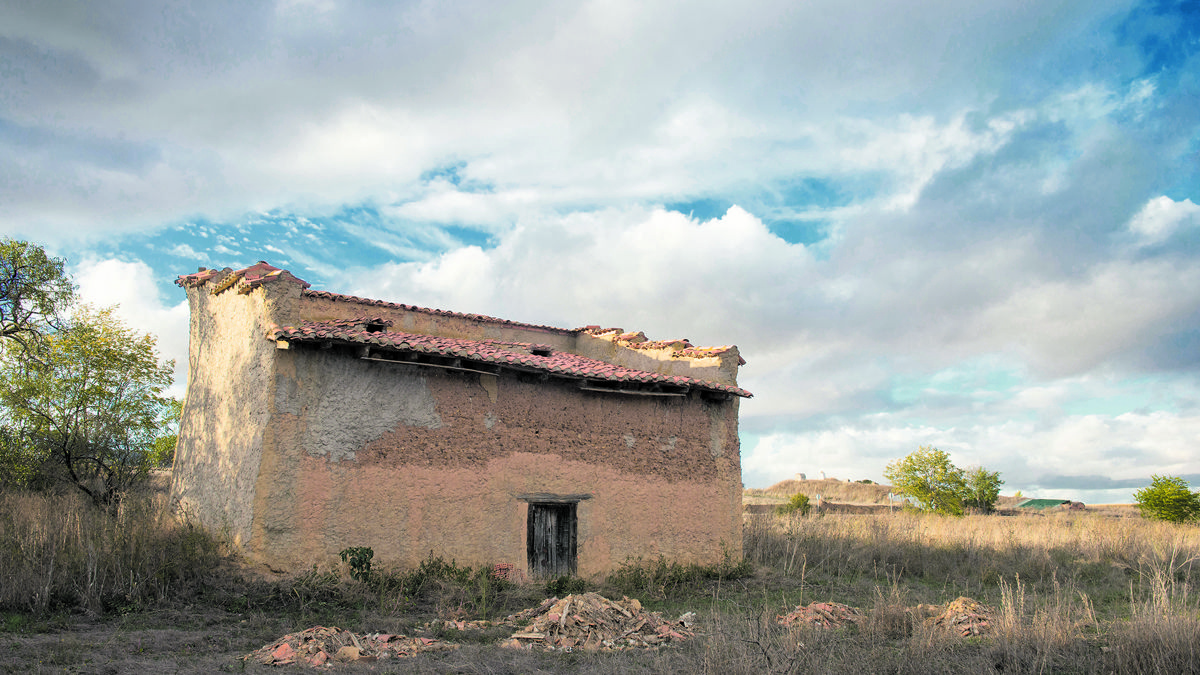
(211, 641)
(155, 642)
(113, 647)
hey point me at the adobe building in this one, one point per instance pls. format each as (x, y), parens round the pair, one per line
(316, 421)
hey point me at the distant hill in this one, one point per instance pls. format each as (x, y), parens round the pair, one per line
(830, 489)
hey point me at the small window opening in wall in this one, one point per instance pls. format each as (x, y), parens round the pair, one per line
(551, 543)
(375, 328)
(540, 351)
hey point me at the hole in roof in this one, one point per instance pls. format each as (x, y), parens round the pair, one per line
(375, 327)
(540, 351)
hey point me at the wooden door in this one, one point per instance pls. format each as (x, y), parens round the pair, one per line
(551, 540)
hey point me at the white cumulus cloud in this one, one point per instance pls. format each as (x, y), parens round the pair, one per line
(1161, 217)
(133, 287)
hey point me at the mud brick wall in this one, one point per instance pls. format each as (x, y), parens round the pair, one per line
(408, 460)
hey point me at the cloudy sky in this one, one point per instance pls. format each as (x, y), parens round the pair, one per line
(973, 225)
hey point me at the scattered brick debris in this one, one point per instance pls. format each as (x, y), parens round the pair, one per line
(966, 617)
(591, 621)
(320, 645)
(458, 624)
(508, 572)
(822, 615)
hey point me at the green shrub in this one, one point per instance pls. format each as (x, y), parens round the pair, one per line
(359, 558)
(798, 502)
(1168, 498)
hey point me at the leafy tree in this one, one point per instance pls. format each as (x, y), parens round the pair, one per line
(34, 292)
(982, 489)
(84, 412)
(163, 454)
(930, 479)
(1168, 498)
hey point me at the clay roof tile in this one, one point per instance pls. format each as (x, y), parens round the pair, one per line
(486, 351)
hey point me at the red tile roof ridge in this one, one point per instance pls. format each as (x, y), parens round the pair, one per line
(637, 340)
(341, 297)
(250, 277)
(709, 352)
(658, 344)
(597, 330)
(491, 351)
(704, 352)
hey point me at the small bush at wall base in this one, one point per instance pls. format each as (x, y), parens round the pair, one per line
(474, 590)
(359, 558)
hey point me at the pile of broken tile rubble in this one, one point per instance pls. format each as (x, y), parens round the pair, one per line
(964, 616)
(592, 621)
(319, 645)
(585, 621)
(822, 615)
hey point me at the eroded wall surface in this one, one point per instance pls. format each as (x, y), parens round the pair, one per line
(227, 408)
(408, 460)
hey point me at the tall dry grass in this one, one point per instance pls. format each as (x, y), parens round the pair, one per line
(1072, 592)
(59, 551)
(975, 553)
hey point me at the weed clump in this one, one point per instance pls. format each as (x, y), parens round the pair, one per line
(662, 578)
(565, 585)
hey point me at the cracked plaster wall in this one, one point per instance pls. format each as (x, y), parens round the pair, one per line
(409, 460)
(227, 406)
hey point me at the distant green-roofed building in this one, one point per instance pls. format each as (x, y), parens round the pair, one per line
(1042, 504)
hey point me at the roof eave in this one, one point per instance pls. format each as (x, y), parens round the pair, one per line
(416, 357)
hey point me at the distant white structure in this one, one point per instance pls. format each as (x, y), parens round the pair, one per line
(822, 475)
(801, 476)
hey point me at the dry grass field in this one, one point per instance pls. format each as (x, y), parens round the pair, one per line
(137, 590)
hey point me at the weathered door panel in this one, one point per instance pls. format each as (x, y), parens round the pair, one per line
(551, 540)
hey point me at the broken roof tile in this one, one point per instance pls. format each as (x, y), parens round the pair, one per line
(338, 297)
(250, 278)
(492, 352)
